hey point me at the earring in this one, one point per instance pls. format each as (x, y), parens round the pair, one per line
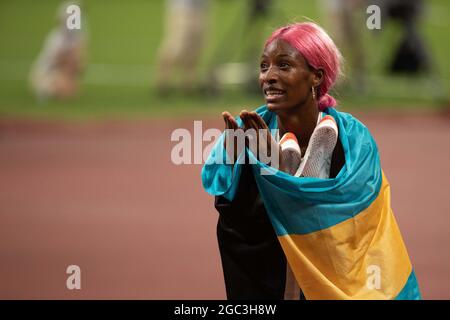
(313, 93)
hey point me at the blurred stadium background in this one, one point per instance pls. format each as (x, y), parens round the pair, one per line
(89, 180)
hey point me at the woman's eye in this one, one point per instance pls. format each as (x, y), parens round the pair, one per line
(284, 65)
(264, 66)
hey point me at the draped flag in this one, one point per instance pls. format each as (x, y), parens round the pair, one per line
(339, 235)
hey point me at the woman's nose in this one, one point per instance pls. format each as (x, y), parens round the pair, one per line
(271, 75)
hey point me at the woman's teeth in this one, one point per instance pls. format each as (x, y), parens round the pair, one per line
(274, 93)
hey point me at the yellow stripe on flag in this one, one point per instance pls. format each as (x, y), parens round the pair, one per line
(344, 261)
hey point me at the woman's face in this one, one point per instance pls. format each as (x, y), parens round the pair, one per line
(285, 77)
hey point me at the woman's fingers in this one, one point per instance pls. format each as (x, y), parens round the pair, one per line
(251, 120)
(267, 140)
(244, 117)
(227, 123)
(259, 139)
(225, 119)
(262, 141)
(230, 123)
(255, 125)
(258, 120)
(262, 125)
(226, 127)
(233, 123)
(252, 138)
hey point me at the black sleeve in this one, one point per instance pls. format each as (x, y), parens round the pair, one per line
(253, 261)
(246, 213)
(337, 160)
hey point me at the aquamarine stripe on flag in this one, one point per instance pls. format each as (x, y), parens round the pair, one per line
(318, 203)
(411, 289)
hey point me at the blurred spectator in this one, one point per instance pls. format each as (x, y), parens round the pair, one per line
(248, 30)
(57, 70)
(182, 45)
(345, 19)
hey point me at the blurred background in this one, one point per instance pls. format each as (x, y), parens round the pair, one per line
(86, 117)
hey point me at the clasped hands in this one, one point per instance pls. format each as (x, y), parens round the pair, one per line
(264, 145)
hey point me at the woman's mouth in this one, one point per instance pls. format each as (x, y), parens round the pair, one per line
(272, 94)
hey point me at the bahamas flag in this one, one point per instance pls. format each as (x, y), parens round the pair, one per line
(339, 235)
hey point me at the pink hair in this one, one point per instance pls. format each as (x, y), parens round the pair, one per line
(319, 51)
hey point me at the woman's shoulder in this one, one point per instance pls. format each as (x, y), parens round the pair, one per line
(355, 131)
(345, 118)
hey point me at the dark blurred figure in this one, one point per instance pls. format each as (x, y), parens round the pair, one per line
(410, 55)
(57, 71)
(260, 8)
(251, 27)
(259, 13)
(182, 46)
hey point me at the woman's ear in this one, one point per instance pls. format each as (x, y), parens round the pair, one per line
(318, 75)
